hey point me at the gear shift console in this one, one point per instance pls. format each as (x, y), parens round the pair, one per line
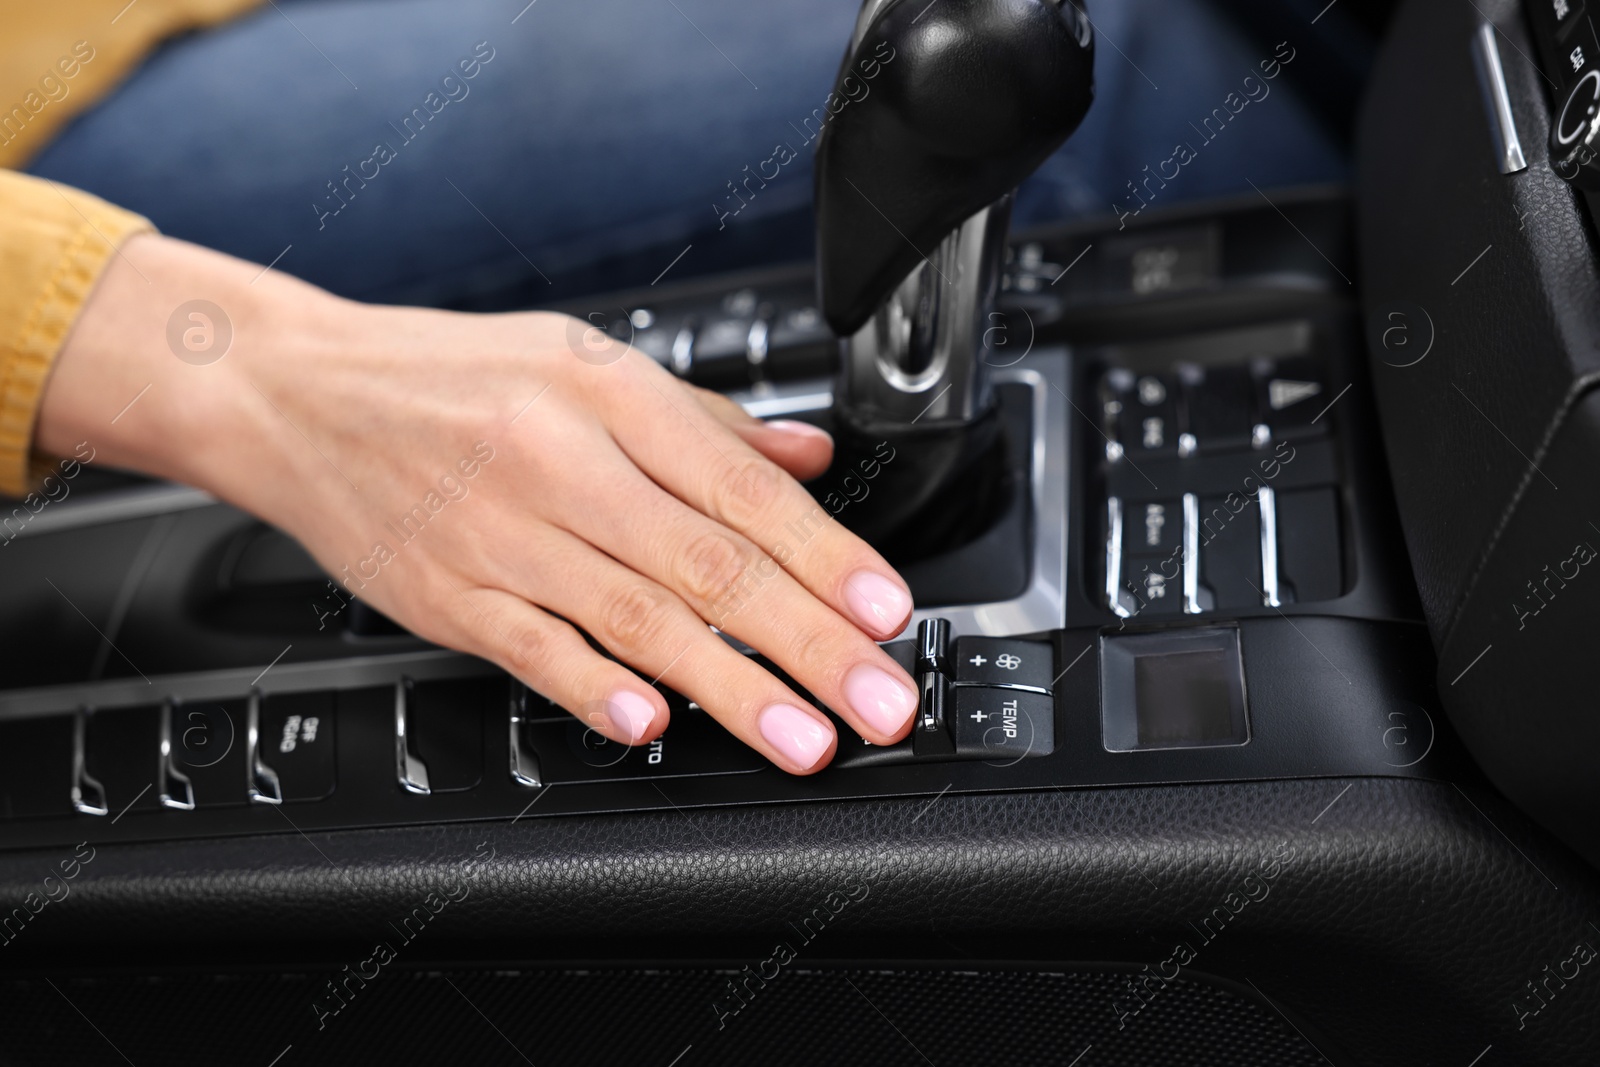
(913, 195)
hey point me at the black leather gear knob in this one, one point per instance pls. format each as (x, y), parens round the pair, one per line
(972, 96)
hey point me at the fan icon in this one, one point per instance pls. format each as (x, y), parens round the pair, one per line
(1008, 661)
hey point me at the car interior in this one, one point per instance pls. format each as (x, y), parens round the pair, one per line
(1249, 543)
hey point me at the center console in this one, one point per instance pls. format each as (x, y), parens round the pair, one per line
(1182, 572)
(1114, 467)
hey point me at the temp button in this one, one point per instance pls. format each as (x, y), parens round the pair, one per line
(1001, 723)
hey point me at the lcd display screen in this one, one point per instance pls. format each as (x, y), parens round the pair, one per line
(1183, 698)
(1177, 689)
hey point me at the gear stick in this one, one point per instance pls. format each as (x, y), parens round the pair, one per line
(913, 190)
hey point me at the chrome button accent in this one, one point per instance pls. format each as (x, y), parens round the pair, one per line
(1268, 502)
(88, 795)
(177, 791)
(411, 772)
(1114, 558)
(1497, 101)
(261, 781)
(524, 762)
(1191, 554)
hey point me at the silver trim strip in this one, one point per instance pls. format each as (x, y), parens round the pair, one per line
(354, 672)
(1000, 685)
(1268, 503)
(258, 774)
(788, 398)
(923, 355)
(1191, 554)
(1497, 101)
(1042, 605)
(82, 781)
(1114, 558)
(409, 770)
(114, 505)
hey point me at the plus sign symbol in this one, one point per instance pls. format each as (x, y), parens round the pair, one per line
(1008, 661)
(977, 661)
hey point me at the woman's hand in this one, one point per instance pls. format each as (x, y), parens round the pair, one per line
(494, 482)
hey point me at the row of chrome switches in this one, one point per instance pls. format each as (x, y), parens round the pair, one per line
(978, 698)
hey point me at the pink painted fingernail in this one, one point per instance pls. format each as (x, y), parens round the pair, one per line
(879, 698)
(799, 429)
(878, 604)
(796, 734)
(630, 713)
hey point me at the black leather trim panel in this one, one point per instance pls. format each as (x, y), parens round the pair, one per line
(1383, 932)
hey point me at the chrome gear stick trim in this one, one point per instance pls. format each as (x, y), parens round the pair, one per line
(919, 359)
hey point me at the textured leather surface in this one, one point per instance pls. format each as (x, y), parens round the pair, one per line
(1398, 930)
(1515, 335)
(1522, 650)
(1490, 497)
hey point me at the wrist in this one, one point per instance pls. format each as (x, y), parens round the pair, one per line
(157, 373)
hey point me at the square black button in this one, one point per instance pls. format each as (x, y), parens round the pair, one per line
(1566, 14)
(208, 748)
(1230, 550)
(1004, 661)
(1221, 406)
(1152, 527)
(445, 720)
(36, 767)
(122, 751)
(1003, 722)
(297, 743)
(1147, 422)
(1292, 391)
(694, 744)
(1153, 584)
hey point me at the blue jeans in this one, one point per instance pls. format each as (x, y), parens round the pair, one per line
(473, 153)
